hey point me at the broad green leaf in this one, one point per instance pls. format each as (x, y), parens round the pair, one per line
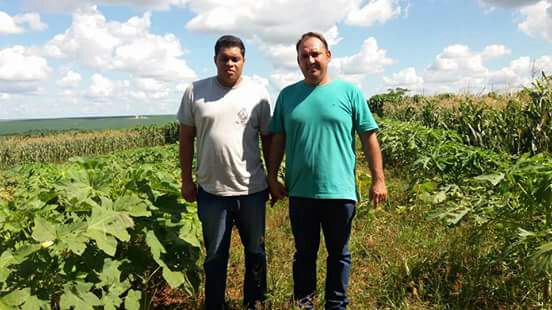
(110, 274)
(78, 295)
(155, 246)
(77, 192)
(190, 232)
(75, 243)
(105, 242)
(134, 205)
(111, 300)
(33, 303)
(105, 224)
(15, 299)
(78, 175)
(43, 230)
(132, 300)
(173, 278)
(110, 222)
(494, 179)
(21, 254)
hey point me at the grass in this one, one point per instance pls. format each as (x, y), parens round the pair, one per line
(383, 243)
(400, 259)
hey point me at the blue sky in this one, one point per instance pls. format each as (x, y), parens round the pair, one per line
(66, 58)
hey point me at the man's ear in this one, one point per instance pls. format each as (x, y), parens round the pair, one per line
(215, 59)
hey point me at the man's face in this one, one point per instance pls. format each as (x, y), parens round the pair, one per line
(313, 59)
(229, 62)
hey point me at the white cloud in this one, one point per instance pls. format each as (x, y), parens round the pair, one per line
(520, 72)
(538, 20)
(281, 79)
(32, 20)
(375, 11)
(261, 80)
(70, 80)
(369, 60)
(73, 5)
(103, 89)
(455, 63)
(129, 47)
(459, 69)
(280, 22)
(147, 89)
(496, 50)
(14, 25)
(507, 3)
(21, 70)
(8, 25)
(407, 78)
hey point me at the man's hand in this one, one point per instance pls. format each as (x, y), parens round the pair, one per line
(378, 193)
(189, 191)
(277, 190)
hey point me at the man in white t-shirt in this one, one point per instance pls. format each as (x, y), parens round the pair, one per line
(227, 113)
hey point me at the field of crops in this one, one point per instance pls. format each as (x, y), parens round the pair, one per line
(468, 224)
(515, 123)
(95, 232)
(29, 127)
(61, 146)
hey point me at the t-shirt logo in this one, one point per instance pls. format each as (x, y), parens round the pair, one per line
(242, 117)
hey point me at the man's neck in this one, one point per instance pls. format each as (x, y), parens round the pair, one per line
(323, 81)
(228, 85)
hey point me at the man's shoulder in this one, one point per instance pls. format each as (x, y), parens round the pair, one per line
(346, 85)
(292, 88)
(203, 83)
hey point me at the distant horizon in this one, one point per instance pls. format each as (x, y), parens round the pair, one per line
(83, 117)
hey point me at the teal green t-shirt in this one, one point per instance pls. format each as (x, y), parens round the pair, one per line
(319, 123)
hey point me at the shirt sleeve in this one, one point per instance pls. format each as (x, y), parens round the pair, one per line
(185, 113)
(266, 111)
(363, 120)
(277, 121)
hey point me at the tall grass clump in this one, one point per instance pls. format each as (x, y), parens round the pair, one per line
(517, 123)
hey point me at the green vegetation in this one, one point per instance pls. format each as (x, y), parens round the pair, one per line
(41, 127)
(96, 232)
(516, 123)
(468, 224)
(16, 150)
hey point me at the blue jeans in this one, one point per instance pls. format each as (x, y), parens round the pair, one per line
(217, 215)
(335, 217)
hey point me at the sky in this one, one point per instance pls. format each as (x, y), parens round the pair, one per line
(72, 58)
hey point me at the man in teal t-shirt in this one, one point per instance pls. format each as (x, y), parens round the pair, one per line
(314, 123)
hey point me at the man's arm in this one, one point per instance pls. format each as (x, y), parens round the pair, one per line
(275, 156)
(265, 144)
(186, 150)
(371, 148)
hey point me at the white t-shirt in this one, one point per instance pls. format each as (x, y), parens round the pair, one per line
(227, 123)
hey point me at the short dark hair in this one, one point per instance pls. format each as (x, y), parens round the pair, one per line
(227, 41)
(311, 34)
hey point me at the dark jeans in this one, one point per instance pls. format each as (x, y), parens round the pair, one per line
(217, 215)
(334, 216)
